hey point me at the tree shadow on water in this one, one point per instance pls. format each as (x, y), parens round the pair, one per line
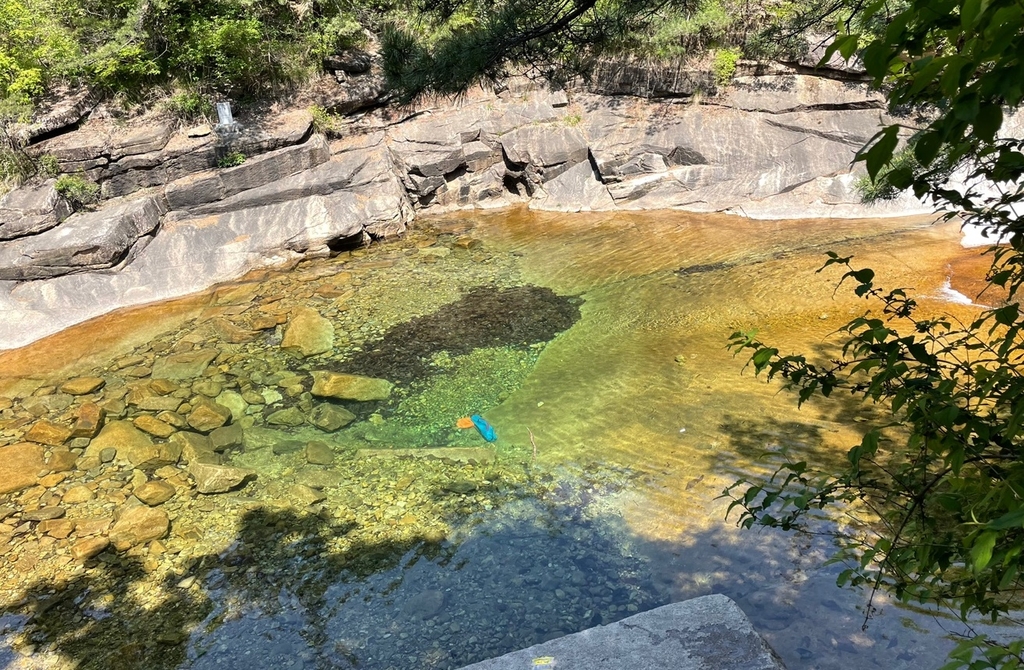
(556, 561)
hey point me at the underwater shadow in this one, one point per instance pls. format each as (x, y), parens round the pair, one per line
(553, 561)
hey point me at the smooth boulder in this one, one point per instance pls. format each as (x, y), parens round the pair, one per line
(130, 443)
(211, 478)
(137, 526)
(20, 465)
(308, 333)
(350, 387)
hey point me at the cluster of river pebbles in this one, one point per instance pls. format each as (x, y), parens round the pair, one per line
(198, 498)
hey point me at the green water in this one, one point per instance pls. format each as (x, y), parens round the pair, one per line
(595, 344)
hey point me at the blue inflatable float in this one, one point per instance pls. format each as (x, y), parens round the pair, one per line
(486, 429)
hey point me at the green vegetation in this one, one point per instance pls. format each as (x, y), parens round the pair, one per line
(231, 159)
(325, 122)
(945, 474)
(190, 106)
(77, 189)
(725, 65)
(15, 166)
(48, 165)
(249, 48)
(879, 188)
(231, 47)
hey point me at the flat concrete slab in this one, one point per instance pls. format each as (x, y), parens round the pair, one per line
(708, 633)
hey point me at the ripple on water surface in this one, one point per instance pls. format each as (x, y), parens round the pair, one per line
(594, 344)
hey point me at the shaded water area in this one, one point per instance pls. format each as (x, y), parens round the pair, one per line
(594, 344)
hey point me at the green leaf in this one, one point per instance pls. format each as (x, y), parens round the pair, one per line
(926, 75)
(1009, 520)
(967, 107)
(927, 148)
(981, 551)
(970, 12)
(876, 59)
(988, 122)
(881, 151)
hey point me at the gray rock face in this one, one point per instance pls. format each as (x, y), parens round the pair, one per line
(617, 77)
(90, 241)
(209, 187)
(544, 146)
(579, 189)
(141, 140)
(67, 112)
(356, 92)
(349, 61)
(789, 92)
(708, 633)
(27, 211)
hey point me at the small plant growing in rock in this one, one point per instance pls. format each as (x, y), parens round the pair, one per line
(190, 106)
(881, 188)
(231, 159)
(724, 65)
(326, 122)
(78, 190)
(49, 166)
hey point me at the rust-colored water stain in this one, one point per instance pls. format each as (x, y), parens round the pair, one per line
(94, 342)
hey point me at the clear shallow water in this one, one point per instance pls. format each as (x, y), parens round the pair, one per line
(615, 439)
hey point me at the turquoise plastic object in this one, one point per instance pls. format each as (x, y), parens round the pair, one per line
(486, 429)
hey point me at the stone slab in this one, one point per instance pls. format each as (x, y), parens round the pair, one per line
(707, 633)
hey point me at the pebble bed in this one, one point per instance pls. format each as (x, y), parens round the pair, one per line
(320, 556)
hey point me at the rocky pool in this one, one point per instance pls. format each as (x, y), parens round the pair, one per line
(201, 484)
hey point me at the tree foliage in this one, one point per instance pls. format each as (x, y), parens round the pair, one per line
(945, 475)
(233, 47)
(464, 42)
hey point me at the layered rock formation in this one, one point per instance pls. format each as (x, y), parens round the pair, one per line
(775, 144)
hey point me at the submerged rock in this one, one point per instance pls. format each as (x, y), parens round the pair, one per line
(350, 387)
(218, 478)
(208, 415)
(330, 418)
(155, 492)
(130, 444)
(89, 547)
(309, 333)
(457, 455)
(47, 432)
(138, 525)
(153, 426)
(319, 453)
(424, 605)
(90, 420)
(19, 466)
(187, 365)
(292, 416)
(82, 385)
(193, 447)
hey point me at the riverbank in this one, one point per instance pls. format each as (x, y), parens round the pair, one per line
(777, 143)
